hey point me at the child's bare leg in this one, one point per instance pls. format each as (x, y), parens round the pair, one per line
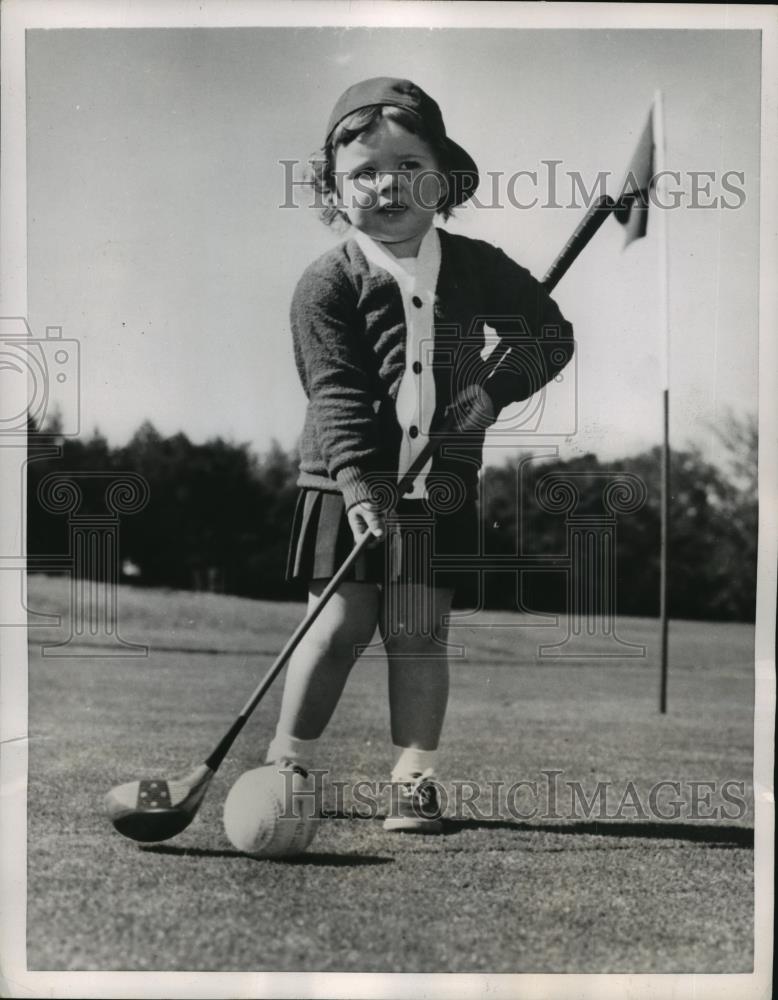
(320, 666)
(413, 630)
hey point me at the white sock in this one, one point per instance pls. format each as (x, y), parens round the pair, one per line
(300, 751)
(413, 761)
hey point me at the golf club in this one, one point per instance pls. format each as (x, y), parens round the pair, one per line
(155, 809)
(597, 213)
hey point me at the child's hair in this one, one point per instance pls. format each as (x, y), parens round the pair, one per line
(322, 164)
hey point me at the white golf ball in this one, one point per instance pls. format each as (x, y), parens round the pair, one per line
(271, 812)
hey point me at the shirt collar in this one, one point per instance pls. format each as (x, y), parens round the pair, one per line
(428, 259)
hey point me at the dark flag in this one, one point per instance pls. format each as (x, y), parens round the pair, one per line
(632, 205)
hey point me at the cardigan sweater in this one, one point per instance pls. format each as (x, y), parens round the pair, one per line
(348, 329)
(417, 278)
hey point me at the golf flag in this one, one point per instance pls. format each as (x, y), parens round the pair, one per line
(631, 210)
(632, 205)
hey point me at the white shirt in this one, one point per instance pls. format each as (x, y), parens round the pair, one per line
(417, 278)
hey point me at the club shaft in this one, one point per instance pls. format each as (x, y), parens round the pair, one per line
(229, 737)
(587, 227)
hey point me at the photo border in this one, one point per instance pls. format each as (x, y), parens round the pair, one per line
(18, 15)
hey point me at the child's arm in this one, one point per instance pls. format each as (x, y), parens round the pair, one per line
(527, 320)
(337, 372)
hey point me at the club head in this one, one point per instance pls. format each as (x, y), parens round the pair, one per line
(152, 826)
(155, 809)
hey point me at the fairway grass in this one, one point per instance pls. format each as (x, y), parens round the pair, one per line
(555, 891)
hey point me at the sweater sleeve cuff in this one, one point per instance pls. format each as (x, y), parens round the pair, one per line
(352, 484)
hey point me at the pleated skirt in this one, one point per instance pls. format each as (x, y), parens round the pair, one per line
(421, 546)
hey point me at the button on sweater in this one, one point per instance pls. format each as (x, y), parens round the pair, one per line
(349, 335)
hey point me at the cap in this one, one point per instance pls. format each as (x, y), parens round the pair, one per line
(384, 90)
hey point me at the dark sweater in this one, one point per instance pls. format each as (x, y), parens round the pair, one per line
(348, 326)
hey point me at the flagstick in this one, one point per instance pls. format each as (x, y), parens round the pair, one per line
(664, 358)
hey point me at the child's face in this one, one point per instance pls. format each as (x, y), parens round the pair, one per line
(390, 185)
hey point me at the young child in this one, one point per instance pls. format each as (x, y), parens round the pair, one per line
(388, 334)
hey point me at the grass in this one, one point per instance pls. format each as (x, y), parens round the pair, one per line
(554, 892)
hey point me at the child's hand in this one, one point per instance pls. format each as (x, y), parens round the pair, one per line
(475, 407)
(366, 517)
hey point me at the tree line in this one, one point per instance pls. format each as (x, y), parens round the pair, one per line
(218, 518)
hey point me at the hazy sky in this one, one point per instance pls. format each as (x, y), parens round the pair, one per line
(156, 237)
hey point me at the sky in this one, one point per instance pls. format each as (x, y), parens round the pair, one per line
(157, 240)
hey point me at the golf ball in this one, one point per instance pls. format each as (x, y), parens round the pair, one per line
(271, 812)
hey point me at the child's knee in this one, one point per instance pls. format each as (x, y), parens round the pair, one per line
(407, 643)
(348, 623)
(343, 644)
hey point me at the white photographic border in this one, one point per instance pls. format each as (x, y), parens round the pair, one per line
(19, 15)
